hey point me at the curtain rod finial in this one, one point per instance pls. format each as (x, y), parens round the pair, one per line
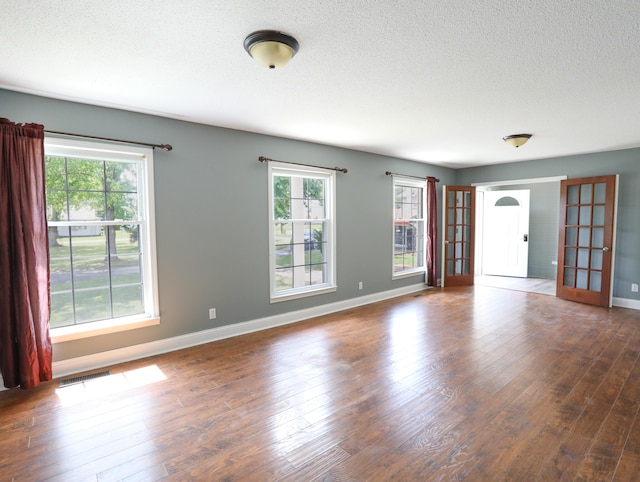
(166, 147)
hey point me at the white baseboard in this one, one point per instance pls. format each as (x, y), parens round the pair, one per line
(626, 303)
(99, 360)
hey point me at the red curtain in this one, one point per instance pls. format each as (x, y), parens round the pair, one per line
(432, 232)
(25, 344)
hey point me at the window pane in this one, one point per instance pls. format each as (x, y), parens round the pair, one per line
(121, 177)
(598, 215)
(93, 305)
(127, 300)
(61, 309)
(121, 206)
(284, 279)
(86, 206)
(57, 208)
(60, 264)
(125, 269)
(571, 237)
(85, 175)
(316, 209)
(570, 257)
(281, 197)
(595, 284)
(56, 177)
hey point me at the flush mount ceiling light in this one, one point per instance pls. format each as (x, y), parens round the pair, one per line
(517, 140)
(270, 48)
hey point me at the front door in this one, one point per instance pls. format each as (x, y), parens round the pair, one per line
(586, 240)
(459, 235)
(505, 233)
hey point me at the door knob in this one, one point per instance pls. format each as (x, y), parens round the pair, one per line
(605, 249)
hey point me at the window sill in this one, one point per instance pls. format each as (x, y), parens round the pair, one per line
(87, 330)
(406, 274)
(303, 294)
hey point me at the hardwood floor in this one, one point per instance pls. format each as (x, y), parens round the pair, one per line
(474, 383)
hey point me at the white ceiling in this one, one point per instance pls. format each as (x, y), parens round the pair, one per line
(438, 81)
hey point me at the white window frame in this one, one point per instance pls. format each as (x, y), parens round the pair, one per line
(329, 176)
(415, 183)
(147, 237)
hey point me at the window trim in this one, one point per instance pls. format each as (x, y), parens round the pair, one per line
(408, 182)
(277, 168)
(144, 155)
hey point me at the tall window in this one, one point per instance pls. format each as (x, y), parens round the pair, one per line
(408, 227)
(302, 231)
(101, 233)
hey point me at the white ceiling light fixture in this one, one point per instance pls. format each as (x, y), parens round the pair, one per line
(270, 48)
(517, 140)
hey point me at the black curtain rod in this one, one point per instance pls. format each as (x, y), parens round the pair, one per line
(164, 147)
(389, 173)
(340, 169)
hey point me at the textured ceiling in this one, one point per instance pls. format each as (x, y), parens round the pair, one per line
(438, 81)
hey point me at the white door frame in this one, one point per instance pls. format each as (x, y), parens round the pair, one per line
(480, 198)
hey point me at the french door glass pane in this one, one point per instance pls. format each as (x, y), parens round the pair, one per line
(598, 215)
(583, 258)
(600, 193)
(595, 284)
(596, 259)
(583, 236)
(572, 194)
(569, 277)
(598, 238)
(585, 193)
(581, 279)
(585, 215)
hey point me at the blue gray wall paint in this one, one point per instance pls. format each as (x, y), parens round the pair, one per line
(211, 216)
(211, 213)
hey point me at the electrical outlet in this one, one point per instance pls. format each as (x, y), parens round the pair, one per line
(360, 285)
(212, 313)
(634, 288)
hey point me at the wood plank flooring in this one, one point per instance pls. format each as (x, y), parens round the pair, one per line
(473, 383)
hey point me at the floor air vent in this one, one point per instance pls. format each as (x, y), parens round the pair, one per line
(83, 378)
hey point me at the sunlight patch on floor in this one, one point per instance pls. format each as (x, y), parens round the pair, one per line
(109, 385)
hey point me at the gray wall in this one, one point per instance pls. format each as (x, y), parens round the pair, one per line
(543, 226)
(626, 163)
(212, 216)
